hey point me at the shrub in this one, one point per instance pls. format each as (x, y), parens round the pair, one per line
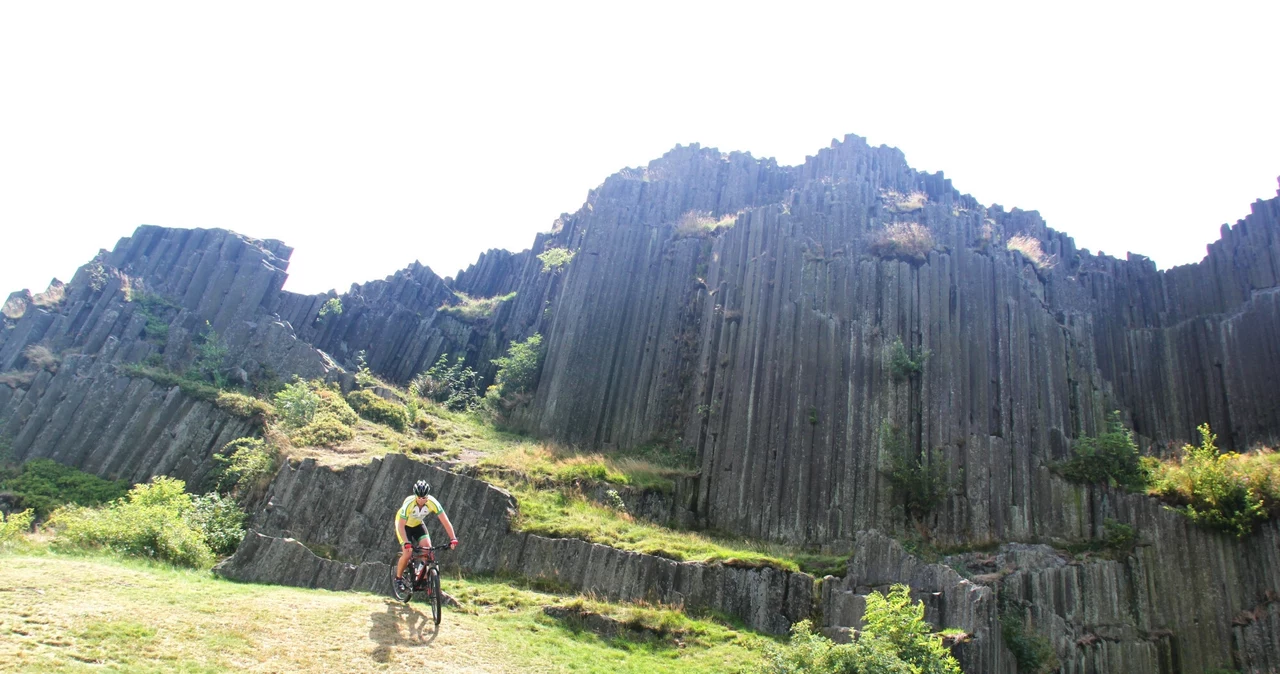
(1110, 458)
(156, 309)
(153, 521)
(701, 223)
(919, 483)
(15, 524)
(1030, 248)
(472, 309)
(905, 363)
(553, 259)
(244, 461)
(908, 241)
(1032, 650)
(210, 352)
(332, 403)
(220, 520)
(518, 370)
(331, 307)
(44, 484)
(297, 404)
(894, 638)
(375, 409)
(453, 386)
(325, 430)
(245, 406)
(1229, 492)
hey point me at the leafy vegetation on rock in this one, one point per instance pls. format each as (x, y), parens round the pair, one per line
(450, 384)
(906, 363)
(368, 405)
(894, 638)
(473, 309)
(1110, 458)
(157, 520)
(43, 484)
(517, 375)
(919, 483)
(1225, 491)
(554, 259)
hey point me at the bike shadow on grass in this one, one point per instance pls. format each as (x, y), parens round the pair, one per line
(401, 625)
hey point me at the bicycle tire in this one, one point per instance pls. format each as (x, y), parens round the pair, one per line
(433, 587)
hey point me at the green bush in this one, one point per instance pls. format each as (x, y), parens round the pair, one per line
(368, 405)
(297, 404)
(894, 639)
(325, 430)
(153, 520)
(15, 524)
(518, 370)
(332, 403)
(553, 259)
(919, 483)
(43, 484)
(245, 406)
(220, 520)
(242, 463)
(1110, 458)
(1229, 492)
(210, 352)
(906, 363)
(157, 310)
(332, 306)
(451, 385)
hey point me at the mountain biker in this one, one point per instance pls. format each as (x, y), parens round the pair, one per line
(412, 530)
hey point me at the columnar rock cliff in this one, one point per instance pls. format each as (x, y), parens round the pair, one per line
(747, 313)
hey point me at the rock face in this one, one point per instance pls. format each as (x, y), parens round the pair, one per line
(347, 514)
(749, 314)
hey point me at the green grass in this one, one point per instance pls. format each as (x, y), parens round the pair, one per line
(472, 309)
(562, 514)
(142, 616)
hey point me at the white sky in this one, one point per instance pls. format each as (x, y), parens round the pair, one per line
(367, 135)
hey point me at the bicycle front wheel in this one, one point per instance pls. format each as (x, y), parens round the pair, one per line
(433, 580)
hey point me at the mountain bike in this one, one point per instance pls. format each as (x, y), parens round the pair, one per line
(423, 575)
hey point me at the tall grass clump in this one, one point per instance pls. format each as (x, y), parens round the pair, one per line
(1029, 247)
(473, 309)
(701, 223)
(14, 525)
(157, 520)
(908, 241)
(894, 638)
(1227, 491)
(1110, 458)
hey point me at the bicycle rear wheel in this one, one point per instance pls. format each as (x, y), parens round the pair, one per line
(433, 587)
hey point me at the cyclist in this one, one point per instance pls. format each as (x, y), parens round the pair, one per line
(412, 530)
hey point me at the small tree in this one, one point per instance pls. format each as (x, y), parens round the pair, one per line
(1109, 458)
(553, 259)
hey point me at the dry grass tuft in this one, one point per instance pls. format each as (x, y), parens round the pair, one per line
(701, 223)
(1030, 249)
(909, 241)
(897, 202)
(52, 297)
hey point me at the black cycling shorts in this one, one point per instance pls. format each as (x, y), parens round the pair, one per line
(416, 534)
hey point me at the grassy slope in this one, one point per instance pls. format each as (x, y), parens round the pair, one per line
(139, 617)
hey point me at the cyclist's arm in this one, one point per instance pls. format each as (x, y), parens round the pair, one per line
(404, 535)
(448, 526)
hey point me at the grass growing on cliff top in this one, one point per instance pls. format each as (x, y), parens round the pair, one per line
(144, 617)
(543, 463)
(564, 514)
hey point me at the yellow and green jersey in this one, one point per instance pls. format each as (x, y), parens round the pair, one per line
(413, 514)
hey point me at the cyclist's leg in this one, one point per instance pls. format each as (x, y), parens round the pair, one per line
(405, 553)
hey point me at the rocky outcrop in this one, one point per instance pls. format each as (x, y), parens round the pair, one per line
(90, 416)
(347, 515)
